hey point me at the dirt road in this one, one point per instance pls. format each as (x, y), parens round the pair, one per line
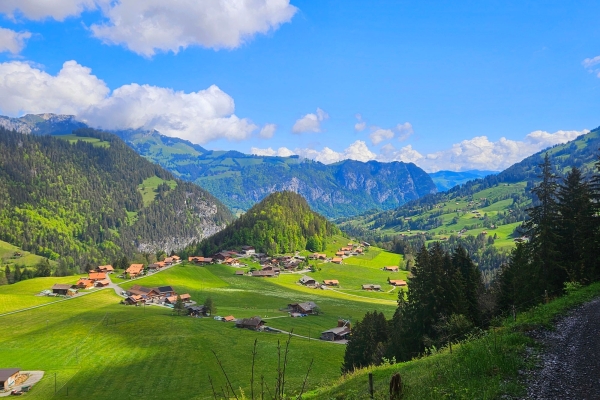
(570, 360)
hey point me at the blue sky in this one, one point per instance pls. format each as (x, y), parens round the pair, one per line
(447, 85)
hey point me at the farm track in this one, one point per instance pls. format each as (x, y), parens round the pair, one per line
(569, 364)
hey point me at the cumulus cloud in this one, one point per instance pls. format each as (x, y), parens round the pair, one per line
(379, 135)
(356, 151)
(591, 64)
(41, 9)
(199, 116)
(310, 122)
(25, 89)
(280, 152)
(404, 131)
(12, 41)
(360, 125)
(476, 153)
(145, 26)
(267, 131)
(479, 152)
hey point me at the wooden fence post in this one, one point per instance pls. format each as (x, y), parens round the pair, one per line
(371, 384)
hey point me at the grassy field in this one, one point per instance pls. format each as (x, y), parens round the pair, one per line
(22, 294)
(73, 139)
(487, 367)
(149, 186)
(7, 256)
(103, 350)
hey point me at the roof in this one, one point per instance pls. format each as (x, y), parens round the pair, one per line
(254, 321)
(240, 272)
(106, 267)
(337, 259)
(306, 279)
(135, 268)
(263, 273)
(96, 276)
(61, 286)
(309, 305)
(163, 289)
(391, 268)
(85, 281)
(229, 318)
(6, 373)
(331, 282)
(338, 331)
(397, 282)
(104, 282)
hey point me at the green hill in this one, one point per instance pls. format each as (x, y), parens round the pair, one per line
(281, 223)
(88, 198)
(445, 180)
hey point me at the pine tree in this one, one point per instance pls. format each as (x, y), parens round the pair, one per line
(209, 306)
(367, 342)
(178, 307)
(542, 231)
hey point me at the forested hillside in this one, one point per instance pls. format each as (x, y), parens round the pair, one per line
(281, 223)
(89, 198)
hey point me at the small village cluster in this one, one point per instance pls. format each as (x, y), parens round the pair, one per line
(163, 295)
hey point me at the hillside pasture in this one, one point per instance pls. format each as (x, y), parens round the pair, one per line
(23, 294)
(148, 188)
(26, 259)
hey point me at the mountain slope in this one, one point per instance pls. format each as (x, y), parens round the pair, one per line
(495, 204)
(445, 180)
(281, 223)
(90, 198)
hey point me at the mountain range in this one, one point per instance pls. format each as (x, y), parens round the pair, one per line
(240, 180)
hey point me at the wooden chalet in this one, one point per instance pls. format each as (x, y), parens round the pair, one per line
(239, 273)
(145, 292)
(200, 260)
(397, 282)
(84, 283)
(173, 299)
(307, 281)
(102, 283)
(337, 260)
(196, 311)
(303, 308)
(339, 254)
(96, 276)
(318, 256)
(169, 261)
(391, 269)
(135, 270)
(264, 274)
(231, 261)
(248, 250)
(108, 269)
(8, 377)
(221, 256)
(335, 334)
(166, 291)
(331, 282)
(254, 323)
(134, 300)
(157, 266)
(229, 318)
(61, 289)
(371, 287)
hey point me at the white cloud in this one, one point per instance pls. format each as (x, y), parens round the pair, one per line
(41, 9)
(404, 131)
(406, 154)
(12, 41)
(25, 89)
(310, 122)
(280, 152)
(379, 135)
(356, 151)
(267, 131)
(199, 116)
(591, 63)
(360, 125)
(145, 26)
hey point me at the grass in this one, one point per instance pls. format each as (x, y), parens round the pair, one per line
(148, 189)
(485, 367)
(26, 259)
(74, 139)
(22, 294)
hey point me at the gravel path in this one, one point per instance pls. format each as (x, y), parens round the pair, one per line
(570, 362)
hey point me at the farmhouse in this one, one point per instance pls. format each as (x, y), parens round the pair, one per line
(106, 269)
(61, 288)
(134, 299)
(134, 270)
(318, 256)
(303, 308)
(248, 250)
(102, 283)
(308, 281)
(8, 377)
(166, 291)
(392, 269)
(339, 253)
(173, 299)
(254, 323)
(196, 311)
(397, 282)
(221, 256)
(263, 274)
(337, 260)
(371, 287)
(231, 261)
(331, 282)
(200, 260)
(142, 291)
(96, 276)
(239, 273)
(341, 332)
(84, 283)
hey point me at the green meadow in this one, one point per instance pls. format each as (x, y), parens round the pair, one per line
(26, 259)
(101, 349)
